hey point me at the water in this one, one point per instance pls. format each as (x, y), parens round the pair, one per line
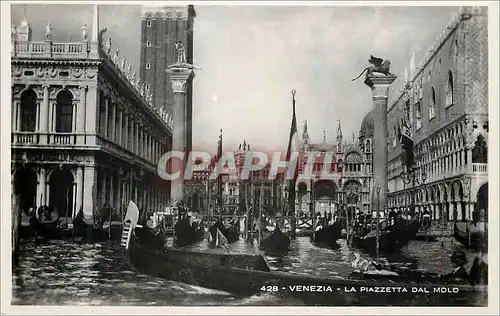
(66, 273)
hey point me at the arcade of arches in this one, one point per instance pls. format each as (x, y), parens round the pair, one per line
(70, 188)
(449, 200)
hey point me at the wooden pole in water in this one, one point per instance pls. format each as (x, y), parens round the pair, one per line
(378, 215)
(252, 198)
(247, 207)
(442, 224)
(260, 214)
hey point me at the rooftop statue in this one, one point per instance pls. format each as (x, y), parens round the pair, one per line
(117, 53)
(108, 46)
(379, 66)
(85, 32)
(101, 33)
(48, 31)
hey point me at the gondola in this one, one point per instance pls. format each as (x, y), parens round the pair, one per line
(391, 239)
(46, 228)
(328, 235)
(275, 241)
(472, 235)
(249, 274)
(187, 233)
(231, 233)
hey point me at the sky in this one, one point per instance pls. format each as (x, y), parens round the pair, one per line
(251, 57)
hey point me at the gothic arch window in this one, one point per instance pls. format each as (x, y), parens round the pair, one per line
(480, 151)
(432, 104)
(449, 89)
(28, 111)
(368, 146)
(418, 116)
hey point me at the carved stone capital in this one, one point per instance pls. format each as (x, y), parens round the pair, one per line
(179, 77)
(178, 86)
(380, 84)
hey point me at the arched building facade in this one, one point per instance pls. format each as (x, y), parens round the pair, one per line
(85, 134)
(444, 101)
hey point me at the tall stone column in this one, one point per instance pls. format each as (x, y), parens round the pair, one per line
(379, 83)
(179, 74)
(79, 189)
(119, 130)
(91, 114)
(112, 137)
(80, 118)
(89, 193)
(41, 188)
(44, 115)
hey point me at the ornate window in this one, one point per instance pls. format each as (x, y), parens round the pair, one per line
(480, 151)
(148, 66)
(28, 111)
(148, 43)
(64, 112)
(418, 116)
(449, 90)
(148, 23)
(432, 104)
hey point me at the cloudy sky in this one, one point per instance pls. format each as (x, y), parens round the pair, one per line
(252, 56)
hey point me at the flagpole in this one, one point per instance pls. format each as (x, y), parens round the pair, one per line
(291, 195)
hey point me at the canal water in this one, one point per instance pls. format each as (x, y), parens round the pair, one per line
(66, 273)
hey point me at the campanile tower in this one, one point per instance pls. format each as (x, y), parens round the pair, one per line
(161, 28)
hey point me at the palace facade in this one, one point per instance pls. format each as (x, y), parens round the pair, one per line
(445, 102)
(85, 133)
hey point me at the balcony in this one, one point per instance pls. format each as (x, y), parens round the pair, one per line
(480, 168)
(49, 49)
(41, 139)
(25, 138)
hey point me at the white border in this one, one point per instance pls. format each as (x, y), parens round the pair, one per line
(5, 189)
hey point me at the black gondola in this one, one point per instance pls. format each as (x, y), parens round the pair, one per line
(45, 225)
(472, 235)
(391, 239)
(187, 233)
(232, 232)
(328, 235)
(275, 241)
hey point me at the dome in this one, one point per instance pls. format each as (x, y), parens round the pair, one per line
(366, 129)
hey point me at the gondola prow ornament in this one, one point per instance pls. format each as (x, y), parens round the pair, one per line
(380, 66)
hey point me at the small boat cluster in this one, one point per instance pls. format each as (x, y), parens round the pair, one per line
(244, 274)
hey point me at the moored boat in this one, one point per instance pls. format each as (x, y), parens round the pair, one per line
(231, 231)
(472, 235)
(249, 274)
(390, 240)
(188, 233)
(328, 235)
(275, 241)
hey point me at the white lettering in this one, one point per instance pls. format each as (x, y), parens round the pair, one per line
(162, 167)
